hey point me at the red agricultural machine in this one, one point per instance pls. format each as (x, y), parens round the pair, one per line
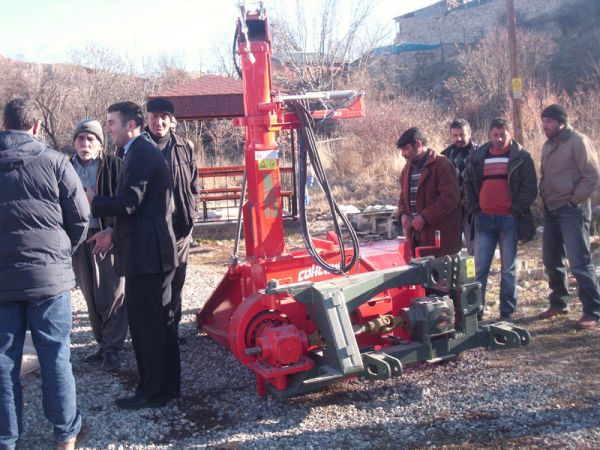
(306, 319)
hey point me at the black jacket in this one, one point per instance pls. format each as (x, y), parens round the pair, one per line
(106, 181)
(180, 157)
(460, 158)
(522, 183)
(143, 235)
(43, 218)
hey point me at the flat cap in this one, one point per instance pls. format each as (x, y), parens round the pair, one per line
(410, 136)
(160, 105)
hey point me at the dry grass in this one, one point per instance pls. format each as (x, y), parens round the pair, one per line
(365, 164)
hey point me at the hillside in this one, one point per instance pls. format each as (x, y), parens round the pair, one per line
(572, 24)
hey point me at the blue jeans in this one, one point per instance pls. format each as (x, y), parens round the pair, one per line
(50, 323)
(567, 233)
(489, 232)
(310, 183)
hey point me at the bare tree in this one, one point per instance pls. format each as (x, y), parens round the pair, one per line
(101, 80)
(17, 79)
(56, 100)
(482, 89)
(332, 41)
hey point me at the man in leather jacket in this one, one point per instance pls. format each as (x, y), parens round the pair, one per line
(180, 157)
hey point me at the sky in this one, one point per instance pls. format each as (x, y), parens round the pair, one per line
(190, 32)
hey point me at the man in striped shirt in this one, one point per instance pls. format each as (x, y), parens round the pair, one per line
(500, 185)
(429, 197)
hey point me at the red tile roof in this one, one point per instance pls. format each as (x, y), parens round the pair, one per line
(208, 97)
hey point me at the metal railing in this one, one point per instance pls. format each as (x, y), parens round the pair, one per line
(221, 189)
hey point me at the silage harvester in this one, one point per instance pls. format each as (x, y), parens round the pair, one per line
(305, 319)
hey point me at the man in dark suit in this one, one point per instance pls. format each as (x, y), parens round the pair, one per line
(145, 253)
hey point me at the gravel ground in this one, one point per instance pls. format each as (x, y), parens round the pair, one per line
(546, 395)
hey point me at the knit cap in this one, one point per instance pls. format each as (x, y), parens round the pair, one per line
(556, 112)
(89, 126)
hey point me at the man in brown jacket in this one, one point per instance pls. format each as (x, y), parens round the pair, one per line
(570, 175)
(430, 197)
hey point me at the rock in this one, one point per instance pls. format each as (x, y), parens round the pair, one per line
(349, 209)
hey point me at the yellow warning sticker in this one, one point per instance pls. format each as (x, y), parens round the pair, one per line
(267, 159)
(517, 88)
(267, 164)
(470, 267)
(517, 85)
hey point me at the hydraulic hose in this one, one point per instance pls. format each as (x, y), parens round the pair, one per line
(307, 149)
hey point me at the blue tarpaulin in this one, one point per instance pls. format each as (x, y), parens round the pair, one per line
(404, 47)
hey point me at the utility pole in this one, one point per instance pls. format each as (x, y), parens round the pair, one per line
(516, 81)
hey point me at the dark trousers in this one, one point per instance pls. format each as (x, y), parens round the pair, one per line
(468, 237)
(567, 233)
(183, 250)
(104, 292)
(154, 335)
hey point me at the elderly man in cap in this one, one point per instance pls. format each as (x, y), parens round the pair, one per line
(102, 288)
(180, 157)
(570, 175)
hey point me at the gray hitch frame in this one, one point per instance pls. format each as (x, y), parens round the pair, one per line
(442, 325)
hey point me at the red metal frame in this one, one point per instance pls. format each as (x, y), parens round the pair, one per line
(237, 315)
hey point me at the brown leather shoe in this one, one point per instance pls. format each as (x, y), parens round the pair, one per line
(586, 322)
(69, 444)
(552, 312)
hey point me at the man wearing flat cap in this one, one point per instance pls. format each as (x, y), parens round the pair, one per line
(429, 197)
(570, 175)
(102, 288)
(180, 157)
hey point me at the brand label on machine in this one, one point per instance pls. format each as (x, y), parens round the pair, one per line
(312, 272)
(267, 159)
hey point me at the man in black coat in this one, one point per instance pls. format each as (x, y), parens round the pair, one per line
(459, 152)
(145, 253)
(179, 154)
(500, 186)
